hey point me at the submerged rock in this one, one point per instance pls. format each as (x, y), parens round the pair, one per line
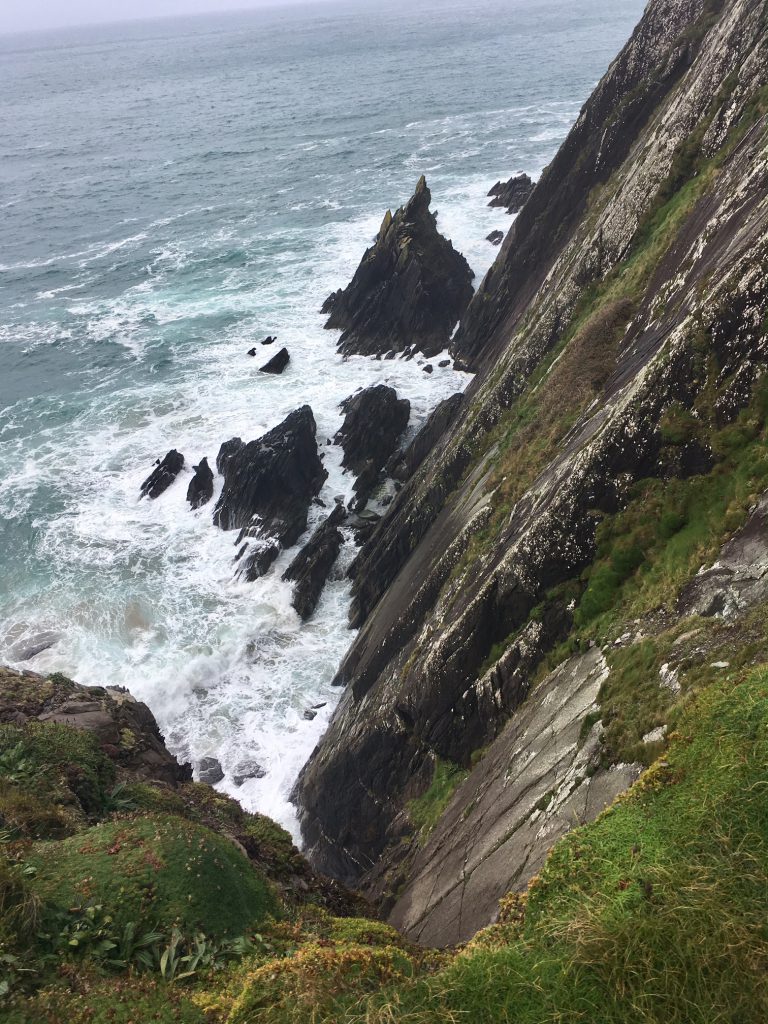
(374, 420)
(269, 484)
(310, 568)
(512, 194)
(410, 289)
(165, 472)
(277, 363)
(200, 488)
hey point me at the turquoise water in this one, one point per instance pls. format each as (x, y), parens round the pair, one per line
(170, 192)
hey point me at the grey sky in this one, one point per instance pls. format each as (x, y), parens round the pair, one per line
(22, 15)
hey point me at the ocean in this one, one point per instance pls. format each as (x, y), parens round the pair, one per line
(171, 191)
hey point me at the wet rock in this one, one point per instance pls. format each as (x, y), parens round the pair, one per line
(428, 368)
(310, 568)
(277, 363)
(374, 420)
(227, 450)
(251, 351)
(404, 464)
(495, 237)
(269, 484)
(410, 289)
(247, 770)
(209, 770)
(443, 363)
(309, 714)
(269, 340)
(513, 195)
(161, 478)
(200, 488)
(30, 644)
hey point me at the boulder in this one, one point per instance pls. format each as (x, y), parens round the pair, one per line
(163, 475)
(247, 770)
(410, 289)
(269, 484)
(495, 237)
(277, 363)
(310, 568)
(200, 488)
(374, 420)
(512, 194)
(209, 770)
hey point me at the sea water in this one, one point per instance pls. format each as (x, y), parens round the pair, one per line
(171, 192)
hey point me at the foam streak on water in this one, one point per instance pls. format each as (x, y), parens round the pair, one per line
(170, 193)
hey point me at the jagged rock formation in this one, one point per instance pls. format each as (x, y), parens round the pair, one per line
(200, 490)
(620, 330)
(277, 363)
(374, 420)
(512, 194)
(310, 568)
(409, 291)
(161, 478)
(268, 487)
(495, 237)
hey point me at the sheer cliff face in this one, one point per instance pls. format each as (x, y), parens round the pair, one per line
(629, 295)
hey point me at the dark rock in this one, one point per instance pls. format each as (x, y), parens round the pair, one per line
(513, 195)
(495, 237)
(247, 770)
(269, 484)
(277, 363)
(161, 478)
(200, 488)
(269, 340)
(443, 363)
(251, 351)
(374, 421)
(404, 464)
(209, 770)
(309, 714)
(227, 450)
(311, 566)
(428, 368)
(410, 289)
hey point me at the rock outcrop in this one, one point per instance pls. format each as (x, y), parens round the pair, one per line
(161, 478)
(277, 363)
(200, 490)
(125, 728)
(409, 291)
(374, 421)
(404, 464)
(512, 194)
(269, 484)
(310, 568)
(495, 237)
(594, 338)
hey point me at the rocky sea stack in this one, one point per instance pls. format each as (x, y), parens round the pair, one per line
(409, 291)
(268, 486)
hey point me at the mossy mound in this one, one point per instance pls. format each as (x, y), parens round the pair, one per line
(160, 870)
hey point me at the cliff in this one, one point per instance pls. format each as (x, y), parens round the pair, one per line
(547, 767)
(620, 344)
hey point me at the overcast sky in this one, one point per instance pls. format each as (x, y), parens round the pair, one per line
(22, 15)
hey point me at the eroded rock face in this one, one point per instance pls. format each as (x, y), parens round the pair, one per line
(512, 194)
(200, 490)
(409, 291)
(739, 577)
(374, 421)
(310, 568)
(161, 478)
(125, 728)
(454, 572)
(268, 486)
(540, 778)
(404, 464)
